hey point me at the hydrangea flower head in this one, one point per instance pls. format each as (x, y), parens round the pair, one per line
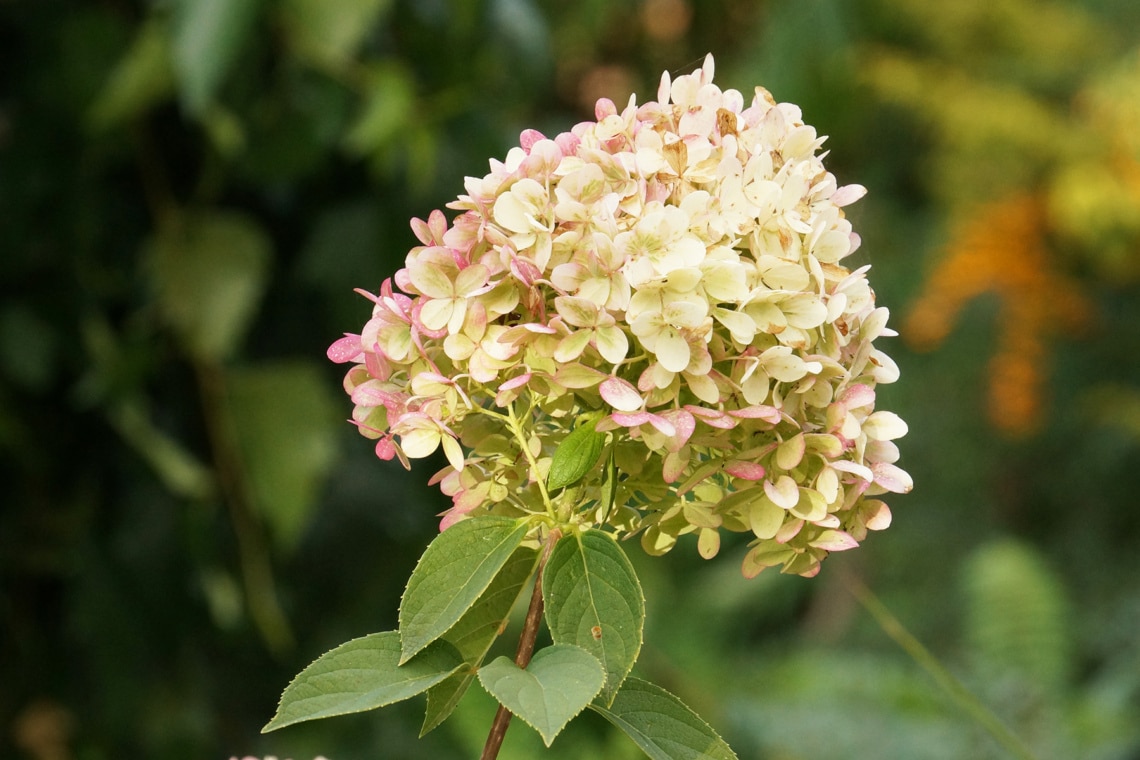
(666, 284)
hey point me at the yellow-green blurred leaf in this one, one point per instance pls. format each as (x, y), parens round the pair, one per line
(209, 271)
(386, 112)
(286, 424)
(207, 36)
(142, 78)
(328, 33)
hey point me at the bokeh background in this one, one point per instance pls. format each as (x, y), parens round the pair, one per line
(191, 189)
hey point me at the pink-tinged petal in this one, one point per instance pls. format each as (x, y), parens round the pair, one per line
(663, 426)
(862, 471)
(630, 420)
(788, 531)
(674, 466)
(684, 423)
(347, 349)
(712, 417)
(376, 364)
(427, 330)
(568, 142)
(621, 395)
(403, 281)
(784, 493)
(812, 571)
(847, 195)
(525, 271)
(646, 382)
(833, 541)
(529, 137)
(516, 382)
(857, 396)
(370, 394)
(457, 514)
(745, 470)
(892, 477)
(757, 412)
(828, 521)
(876, 515)
(385, 449)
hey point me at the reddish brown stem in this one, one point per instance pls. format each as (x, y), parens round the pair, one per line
(525, 651)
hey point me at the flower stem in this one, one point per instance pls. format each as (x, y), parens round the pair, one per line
(520, 436)
(526, 648)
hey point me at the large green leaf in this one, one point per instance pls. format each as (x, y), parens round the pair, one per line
(359, 675)
(286, 424)
(210, 271)
(557, 684)
(477, 630)
(207, 37)
(594, 601)
(662, 725)
(452, 574)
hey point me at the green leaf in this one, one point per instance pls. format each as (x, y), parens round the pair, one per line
(609, 487)
(557, 684)
(576, 456)
(207, 37)
(387, 111)
(477, 630)
(662, 725)
(594, 601)
(452, 574)
(287, 427)
(328, 32)
(360, 675)
(209, 271)
(142, 78)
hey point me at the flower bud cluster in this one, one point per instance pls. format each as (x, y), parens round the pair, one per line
(669, 275)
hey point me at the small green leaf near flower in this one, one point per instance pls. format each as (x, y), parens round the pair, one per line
(576, 456)
(558, 684)
(453, 573)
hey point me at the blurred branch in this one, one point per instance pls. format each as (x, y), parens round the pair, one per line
(256, 567)
(974, 707)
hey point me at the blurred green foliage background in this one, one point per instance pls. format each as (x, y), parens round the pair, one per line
(191, 189)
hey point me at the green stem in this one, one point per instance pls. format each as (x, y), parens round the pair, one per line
(973, 706)
(520, 436)
(529, 634)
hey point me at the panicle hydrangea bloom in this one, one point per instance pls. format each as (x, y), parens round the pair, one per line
(669, 275)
